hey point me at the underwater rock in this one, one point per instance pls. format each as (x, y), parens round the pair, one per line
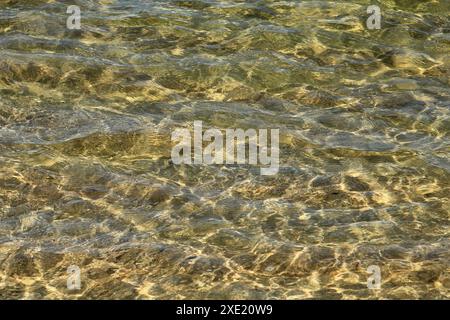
(355, 184)
(11, 291)
(112, 289)
(20, 263)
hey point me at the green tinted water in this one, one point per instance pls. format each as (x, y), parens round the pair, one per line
(86, 179)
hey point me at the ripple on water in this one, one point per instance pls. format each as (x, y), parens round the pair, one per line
(85, 172)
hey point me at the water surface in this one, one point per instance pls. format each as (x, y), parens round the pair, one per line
(86, 178)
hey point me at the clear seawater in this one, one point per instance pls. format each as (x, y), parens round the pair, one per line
(86, 177)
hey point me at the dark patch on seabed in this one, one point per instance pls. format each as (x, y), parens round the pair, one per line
(86, 118)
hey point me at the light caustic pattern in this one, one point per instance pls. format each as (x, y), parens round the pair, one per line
(87, 182)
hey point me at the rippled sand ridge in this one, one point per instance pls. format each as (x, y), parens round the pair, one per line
(86, 176)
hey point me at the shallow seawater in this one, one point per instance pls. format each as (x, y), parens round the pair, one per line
(86, 176)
